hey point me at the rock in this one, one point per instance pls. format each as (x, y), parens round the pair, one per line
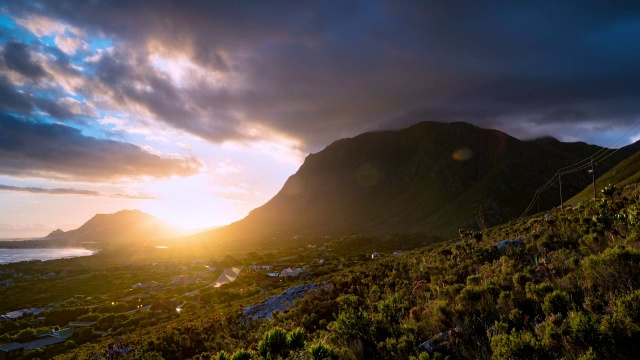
(504, 243)
(427, 346)
(280, 302)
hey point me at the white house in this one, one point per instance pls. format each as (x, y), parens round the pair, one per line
(290, 272)
(260, 267)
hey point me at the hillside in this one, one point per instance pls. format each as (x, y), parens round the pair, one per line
(627, 172)
(564, 286)
(122, 226)
(431, 177)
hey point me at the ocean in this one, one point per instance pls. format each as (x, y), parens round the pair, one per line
(16, 255)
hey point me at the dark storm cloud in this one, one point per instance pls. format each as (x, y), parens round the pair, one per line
(69, 191)
(322, 70)
(12, 100)
(33, 95)
(61, 152)
(18, 58)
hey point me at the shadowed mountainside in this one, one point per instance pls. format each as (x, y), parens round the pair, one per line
(431, 177)
(626, 173)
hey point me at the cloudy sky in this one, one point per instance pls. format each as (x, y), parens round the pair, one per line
(198, 111)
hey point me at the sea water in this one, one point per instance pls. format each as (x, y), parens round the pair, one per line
(15, 255)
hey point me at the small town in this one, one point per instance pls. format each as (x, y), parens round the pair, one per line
(202, 284)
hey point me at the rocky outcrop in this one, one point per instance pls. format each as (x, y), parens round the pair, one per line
(280, 302)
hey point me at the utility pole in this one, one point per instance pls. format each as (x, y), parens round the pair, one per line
(593, 178)
(561, 203)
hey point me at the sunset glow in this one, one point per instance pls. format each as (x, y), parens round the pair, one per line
(199, 114)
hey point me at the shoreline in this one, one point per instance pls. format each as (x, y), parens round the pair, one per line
(17, 255)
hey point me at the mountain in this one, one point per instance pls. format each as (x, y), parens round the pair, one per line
(431, 177)
(122, 226)
(626, 173)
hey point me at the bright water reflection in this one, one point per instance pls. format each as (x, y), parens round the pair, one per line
(15, 255)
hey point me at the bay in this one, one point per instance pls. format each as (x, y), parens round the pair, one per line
(16, 255)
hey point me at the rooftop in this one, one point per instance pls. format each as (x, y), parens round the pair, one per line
(40, 343)
(64, 333)
(11, 346)
(82, 323)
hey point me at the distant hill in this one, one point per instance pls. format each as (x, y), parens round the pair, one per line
(431, 177)
(122, 226)
(627, 172)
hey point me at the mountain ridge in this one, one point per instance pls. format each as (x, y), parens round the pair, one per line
(121, 226)
(430, 177)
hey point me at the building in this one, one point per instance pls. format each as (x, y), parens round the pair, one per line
(375, 255)
(183, 280)
(43, 342)
(290, 272)
(163, 307)
(260, 267)
(11, 351)
(38, 322)
(78, 326)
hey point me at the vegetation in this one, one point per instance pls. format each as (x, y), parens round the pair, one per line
(570, 288)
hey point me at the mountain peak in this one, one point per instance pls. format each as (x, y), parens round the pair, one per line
(124, 225)
(546, 139)
(430, 177)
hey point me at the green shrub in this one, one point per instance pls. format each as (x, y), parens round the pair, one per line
(556, 302)
(221, 356)
(629, 306)
(320, 351)
(616, 269)
(583, 329)
(517, 345)
(474, 280)
(273, 344)
(25, 335)
(295, 339)
(352, 322)
(242, 355)
(521, 279)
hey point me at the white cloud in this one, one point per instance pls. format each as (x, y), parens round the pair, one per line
(77, 107)
(70, 44)
(185, 146)
(43, 26)
(227, 167)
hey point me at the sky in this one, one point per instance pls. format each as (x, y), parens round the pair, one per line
(197, 112)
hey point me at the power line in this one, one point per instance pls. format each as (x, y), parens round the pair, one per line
(598, 156)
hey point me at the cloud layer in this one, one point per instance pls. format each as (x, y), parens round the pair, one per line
(318, 71)
(56, 151)
(70, 191)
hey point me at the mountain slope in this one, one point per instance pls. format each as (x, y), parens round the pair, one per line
(431, 177)
(122, 226)
(627, 172)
